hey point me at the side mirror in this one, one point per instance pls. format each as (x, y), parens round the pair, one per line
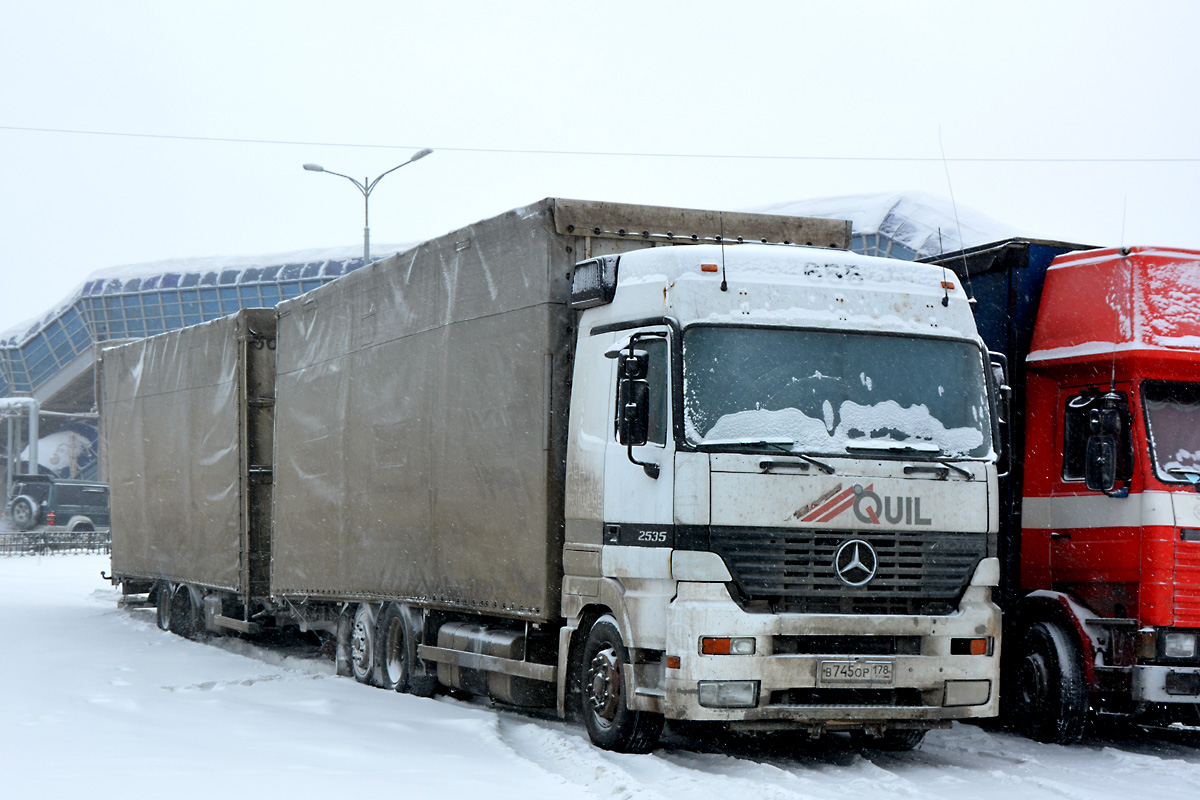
(999, 369)
(1100, 467)
(633, 397)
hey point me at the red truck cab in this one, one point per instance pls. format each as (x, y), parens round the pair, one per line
(1108, 616)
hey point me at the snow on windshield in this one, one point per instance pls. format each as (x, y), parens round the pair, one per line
(826, 391)
(1173, 417)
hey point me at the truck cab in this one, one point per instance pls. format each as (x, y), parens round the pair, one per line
(1110, 546)
(781, 495)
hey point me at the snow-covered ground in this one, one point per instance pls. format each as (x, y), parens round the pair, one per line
(98, 702)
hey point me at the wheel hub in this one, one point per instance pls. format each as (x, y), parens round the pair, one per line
(1034, 681)
(358, 645)
(604, 684)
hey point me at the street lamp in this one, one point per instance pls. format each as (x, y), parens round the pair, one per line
(366, 187)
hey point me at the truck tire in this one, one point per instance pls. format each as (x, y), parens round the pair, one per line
(184, 617)
(395, 652)
(162, 604)
(610, 722)
(24, 513)
(362, 645)
(1051, 698)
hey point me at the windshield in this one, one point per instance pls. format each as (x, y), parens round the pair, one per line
(834, 392)
(1173, 422)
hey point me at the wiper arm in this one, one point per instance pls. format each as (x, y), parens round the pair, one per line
(894, 447)
(961, 471)
(780, 443)
(931, 450)
(1191, 475)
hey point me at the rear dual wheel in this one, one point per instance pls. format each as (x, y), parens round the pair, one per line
(396, 653)
(362, 644)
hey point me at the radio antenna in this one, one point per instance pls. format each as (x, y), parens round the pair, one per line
(945, 283)
(724, 283)
(954, 205)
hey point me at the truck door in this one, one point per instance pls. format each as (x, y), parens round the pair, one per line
(639, 478)
(1095, 540)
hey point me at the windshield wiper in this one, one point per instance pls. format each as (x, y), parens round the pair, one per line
(781, 443)
(931, 450)
(1189, 474)
(895, 447)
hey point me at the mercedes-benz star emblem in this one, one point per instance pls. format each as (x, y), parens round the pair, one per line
(855, 562)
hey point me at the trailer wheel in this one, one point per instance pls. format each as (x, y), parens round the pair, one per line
(610, 723)
(24, 513)
(395, 653)
(362, 645)
(1052, 700)
(162, 604)
(183, 619)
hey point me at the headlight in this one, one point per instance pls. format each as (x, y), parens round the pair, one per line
(729, 694)
(1179, 645)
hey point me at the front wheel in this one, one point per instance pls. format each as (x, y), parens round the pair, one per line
(1051, 698)
(610, 722)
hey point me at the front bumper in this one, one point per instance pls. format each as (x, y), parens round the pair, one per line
(1161, 684)
(925, 685)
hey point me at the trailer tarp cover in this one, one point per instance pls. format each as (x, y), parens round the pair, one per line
(171, 419)
(421, 424)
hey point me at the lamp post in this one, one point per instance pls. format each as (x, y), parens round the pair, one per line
(366, 186)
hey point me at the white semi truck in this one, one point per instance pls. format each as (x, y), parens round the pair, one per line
(549, 459)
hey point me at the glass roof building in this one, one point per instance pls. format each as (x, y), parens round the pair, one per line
(51, 359)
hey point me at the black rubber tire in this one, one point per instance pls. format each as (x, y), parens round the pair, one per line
(362, 645)
(395, 653)
(184, 620)
(162, 602)
(1051, 697)
(610, 723)
(894, 740)
(24, 513)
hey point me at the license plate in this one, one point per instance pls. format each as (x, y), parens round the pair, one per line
(873, 672)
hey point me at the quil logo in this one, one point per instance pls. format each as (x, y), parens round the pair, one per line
(867, 506)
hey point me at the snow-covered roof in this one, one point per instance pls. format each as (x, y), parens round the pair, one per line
(128, 272)
(925, 223)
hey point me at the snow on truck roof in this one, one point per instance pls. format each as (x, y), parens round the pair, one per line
(1100, 302)
(789, 263)
(805, 286)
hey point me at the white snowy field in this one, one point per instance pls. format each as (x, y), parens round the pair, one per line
(98, 702)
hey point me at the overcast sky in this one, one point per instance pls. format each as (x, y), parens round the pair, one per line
(140, 131)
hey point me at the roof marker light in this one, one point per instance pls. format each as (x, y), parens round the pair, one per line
(709, 268)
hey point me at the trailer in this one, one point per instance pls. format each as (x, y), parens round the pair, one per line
(635, 463)
(1099, 547)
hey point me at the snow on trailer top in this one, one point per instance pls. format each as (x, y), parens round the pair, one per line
(1104, 302)
(804, 286)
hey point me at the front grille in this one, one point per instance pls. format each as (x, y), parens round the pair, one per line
(847, 697)
(781, 571)
(846, 645)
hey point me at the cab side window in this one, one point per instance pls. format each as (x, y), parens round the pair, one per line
(1092, 413)
(656, 377)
